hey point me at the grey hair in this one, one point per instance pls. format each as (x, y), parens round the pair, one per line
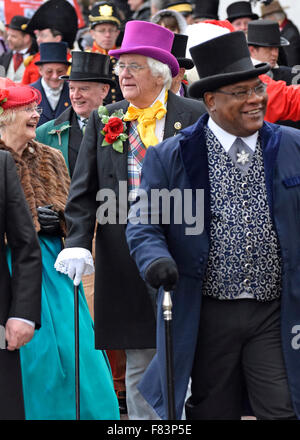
(160, 69)
(7, 117)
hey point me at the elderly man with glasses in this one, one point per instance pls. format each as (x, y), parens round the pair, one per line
(109, 162)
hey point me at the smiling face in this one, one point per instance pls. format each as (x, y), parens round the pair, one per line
(238, 117)
(86, 96)
(51, 73)
(21, 126)
(140, 87)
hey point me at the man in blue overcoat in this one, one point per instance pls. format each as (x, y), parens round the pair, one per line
(226, 244)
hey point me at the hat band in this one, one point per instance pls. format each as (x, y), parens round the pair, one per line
(181, 8)
(107, 17)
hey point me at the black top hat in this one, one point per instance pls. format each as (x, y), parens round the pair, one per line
(17, 22)
(56, 14)
(90, 66)
(265, 33)
(53, 53)
(104, 12)
(240, 9)
(222, 61)
(206, 9)
(179, 50)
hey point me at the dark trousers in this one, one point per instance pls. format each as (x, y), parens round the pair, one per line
(239, 344)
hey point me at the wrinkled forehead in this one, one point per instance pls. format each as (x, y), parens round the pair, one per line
(129, 58)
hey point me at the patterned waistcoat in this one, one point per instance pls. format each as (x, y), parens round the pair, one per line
(244, 259)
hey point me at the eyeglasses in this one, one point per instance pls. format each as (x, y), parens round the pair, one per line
(242, 95)
(39, 110)
(132, 68)
(106, 31)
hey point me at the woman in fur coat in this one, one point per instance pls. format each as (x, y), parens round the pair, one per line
(47, 362)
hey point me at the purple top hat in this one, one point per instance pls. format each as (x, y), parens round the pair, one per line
(150, 40)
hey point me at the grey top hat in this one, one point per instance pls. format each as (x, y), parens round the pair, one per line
(90, 66)
(265, 33)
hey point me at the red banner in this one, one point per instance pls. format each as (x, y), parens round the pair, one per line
(9, 8)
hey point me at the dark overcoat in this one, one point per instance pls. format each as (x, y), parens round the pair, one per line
(182, 163)
(63, 103)
(20, 292)
(124, 316)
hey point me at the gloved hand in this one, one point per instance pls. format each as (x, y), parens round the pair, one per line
(49, 220)
(76, 268)
(162, 272)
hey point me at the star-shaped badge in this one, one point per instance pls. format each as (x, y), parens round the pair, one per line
(242, 157)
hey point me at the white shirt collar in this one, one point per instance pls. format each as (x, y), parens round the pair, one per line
(226, 139)
(23, 51)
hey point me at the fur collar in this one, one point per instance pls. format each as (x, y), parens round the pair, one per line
(44, 178)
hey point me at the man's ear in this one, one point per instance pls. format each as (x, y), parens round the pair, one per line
(105, 90)
(209, 100)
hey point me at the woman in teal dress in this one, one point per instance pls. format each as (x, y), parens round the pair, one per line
(48, 361)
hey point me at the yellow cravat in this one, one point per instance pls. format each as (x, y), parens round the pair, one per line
(146, 118)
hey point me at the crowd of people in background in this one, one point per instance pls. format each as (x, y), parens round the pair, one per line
(133, 55)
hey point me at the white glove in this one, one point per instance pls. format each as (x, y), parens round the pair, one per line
(75, 262)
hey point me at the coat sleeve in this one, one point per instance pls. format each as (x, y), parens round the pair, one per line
(80, 212)
(283, 102)
(145, 232)
(25, 250)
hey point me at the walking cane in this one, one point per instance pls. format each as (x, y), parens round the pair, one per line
(76, 325)
(167, 312)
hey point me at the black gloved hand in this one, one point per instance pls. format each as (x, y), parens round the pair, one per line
(162, 272)
(49, 220)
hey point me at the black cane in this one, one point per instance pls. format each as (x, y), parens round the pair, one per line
(167, 312)
(76, 324)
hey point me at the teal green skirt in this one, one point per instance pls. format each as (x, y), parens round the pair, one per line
(48, 360)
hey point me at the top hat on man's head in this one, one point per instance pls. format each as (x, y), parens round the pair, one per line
(150, 40)
(239, 10)
(104, 12)
(265, 33)
(179, 51)
(206, 9)
(91, 67)
(53, 53)
(55, 14)
(223, 61)
(17, 23)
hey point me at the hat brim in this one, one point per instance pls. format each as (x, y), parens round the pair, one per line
(186, 63)
(149, 51)
(212, 83)
(109, 81)
(235, 17)
(283, 42)
(37, 63)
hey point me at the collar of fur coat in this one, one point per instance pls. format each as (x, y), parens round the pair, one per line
(44, 178)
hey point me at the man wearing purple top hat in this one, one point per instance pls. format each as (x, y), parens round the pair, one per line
(124, 313)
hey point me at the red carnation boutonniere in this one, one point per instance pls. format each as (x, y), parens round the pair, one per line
(114, 128)
(3, 98)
